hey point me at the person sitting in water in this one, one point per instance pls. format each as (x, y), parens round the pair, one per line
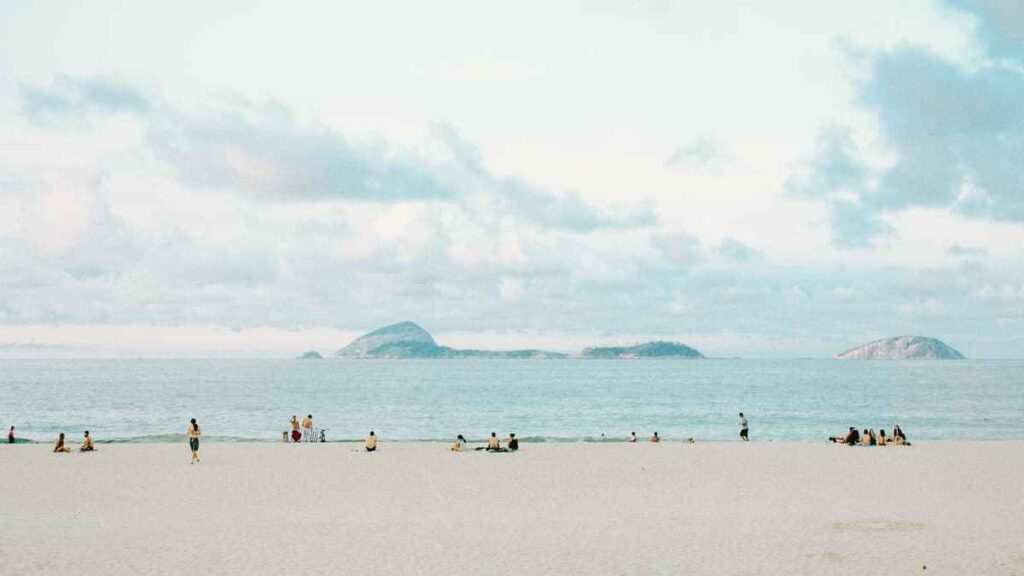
(513, 442)
(881, 437)
(296, 435)
(655, 438)
(371, 442)
(632, 437)
(87, 445)
(59, 446)
(460, 444)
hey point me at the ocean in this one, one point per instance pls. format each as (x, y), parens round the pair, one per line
(142, 400)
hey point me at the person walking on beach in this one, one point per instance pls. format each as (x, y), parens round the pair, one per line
(307, 427)
(193, 440)
(744, 430)
(10, 436)
(296, 435)
(371, 442)
(87, 445)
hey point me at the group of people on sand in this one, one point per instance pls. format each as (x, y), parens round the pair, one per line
(60, 447)
(493, 444)
(869, 438)
(307, 429)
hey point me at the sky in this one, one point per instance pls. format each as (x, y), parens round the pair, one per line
(263, 178)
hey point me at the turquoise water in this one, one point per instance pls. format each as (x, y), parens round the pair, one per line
(139, 400)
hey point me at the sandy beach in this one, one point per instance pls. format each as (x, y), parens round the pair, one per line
(416, 508)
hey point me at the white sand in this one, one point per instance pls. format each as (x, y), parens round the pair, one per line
(724, 508)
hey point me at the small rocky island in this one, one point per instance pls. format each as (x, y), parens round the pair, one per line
(311, 355)
(646, 350)
(409, 340)
(903, 348)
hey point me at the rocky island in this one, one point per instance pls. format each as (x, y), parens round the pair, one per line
(646, 350)
(409, 340)
(903, 348)
(311, 355)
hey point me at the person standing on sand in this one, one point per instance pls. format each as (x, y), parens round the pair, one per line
(10, 436)
(307, 427)
(655, 438)
(87, 445)
(744, 430)
(371, 442)
(296, 435)
(193, 440)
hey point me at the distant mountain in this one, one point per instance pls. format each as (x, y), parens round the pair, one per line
(646, 350)
(903, 348)
(311, 355)
(409, 340)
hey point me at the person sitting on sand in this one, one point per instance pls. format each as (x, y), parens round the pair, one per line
(10, 436)
(493, 444)
(371, 442)
(296, 435)
(193, 439)
(513, 442)
(850, 438)
(632, 437)
(881, 437)
(307, 428)
(865, 438)
(460, 444)
(898, 436)
(87, 444)
(59, 446)
(655, 438)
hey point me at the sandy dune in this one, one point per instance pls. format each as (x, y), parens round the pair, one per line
(728, 508)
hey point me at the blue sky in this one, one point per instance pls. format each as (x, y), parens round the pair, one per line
(258, 178)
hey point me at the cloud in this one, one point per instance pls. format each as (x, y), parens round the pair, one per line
(76, 96)
(955, 137)
(1000, 24)
(681, 249)
(264, 152)
(736, 251)
(703, 152)
(958, 251)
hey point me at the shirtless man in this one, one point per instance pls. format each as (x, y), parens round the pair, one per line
(307, 427)
(493, 444)
(193, 439)
(87, 444)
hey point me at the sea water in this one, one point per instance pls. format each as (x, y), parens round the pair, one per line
(551, 400)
